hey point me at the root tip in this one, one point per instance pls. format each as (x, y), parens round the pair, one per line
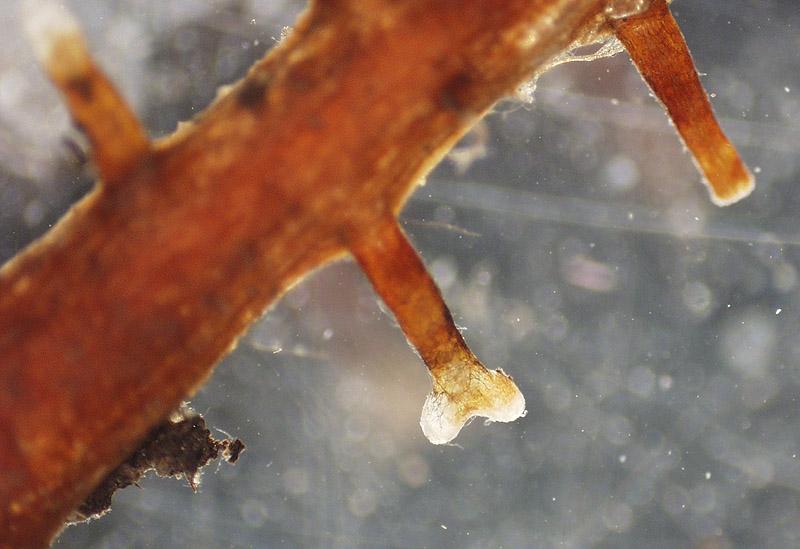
(55, 36)
(475, 393)
(734, 192)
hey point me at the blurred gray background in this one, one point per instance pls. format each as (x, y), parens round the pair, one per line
(653, 334)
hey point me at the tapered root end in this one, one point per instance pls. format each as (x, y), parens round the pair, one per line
(119, 143)
(657, 47)
(56, 39)
(463, 390)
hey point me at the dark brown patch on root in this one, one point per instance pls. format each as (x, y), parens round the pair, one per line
(454, 94)
(179, 447)
(83, 87)
(252, 92)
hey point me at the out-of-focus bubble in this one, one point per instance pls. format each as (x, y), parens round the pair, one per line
(475, 301)
(296, 481)
(356, 427)
(618, 430)
(641, 381)
(519, 321)
(547, 297)
(557, 397)
(362, 503)
(33, 213)
(698, 298)
(703, 498)
(604, 382)
(444, 271)
(784, 276)
(588, 421)
(382, 446)
(253, 512)
(747, 343)
(721, 393)
(760, 470)
(589, 274)
(351, 392)
(444, 214)
(482, 274)
(675, 500)
(554, 327)
(414, 470)
(686, 218)
(347, 456)
(621, 174)
(617, 516)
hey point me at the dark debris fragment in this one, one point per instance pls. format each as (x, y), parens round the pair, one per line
(178, 447)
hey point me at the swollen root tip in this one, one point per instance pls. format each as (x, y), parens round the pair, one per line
(464, 390)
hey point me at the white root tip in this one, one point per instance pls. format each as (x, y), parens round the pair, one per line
(465, 390)
(738, 190)
(55, 36)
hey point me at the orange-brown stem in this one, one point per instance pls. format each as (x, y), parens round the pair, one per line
(400, 278)
(657, 48)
